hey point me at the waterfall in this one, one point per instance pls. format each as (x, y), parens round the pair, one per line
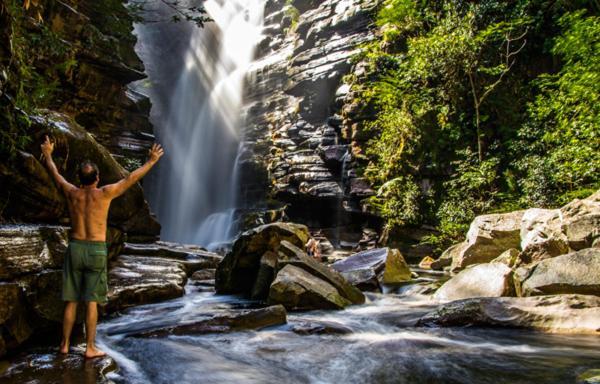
(195, 190)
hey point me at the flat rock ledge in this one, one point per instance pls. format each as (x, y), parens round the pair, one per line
(555, 313)
(226, 321)
(52, 367)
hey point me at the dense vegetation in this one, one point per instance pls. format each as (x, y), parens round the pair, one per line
(481, 106)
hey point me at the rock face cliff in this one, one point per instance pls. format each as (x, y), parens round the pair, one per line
(66, 66)
(298, 147)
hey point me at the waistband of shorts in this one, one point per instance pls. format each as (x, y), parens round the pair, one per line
(87, 242)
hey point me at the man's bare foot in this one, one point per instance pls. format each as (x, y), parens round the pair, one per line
(64, 347)
(92, 352)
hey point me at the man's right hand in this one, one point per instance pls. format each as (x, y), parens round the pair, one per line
(47, 147)
(155, 153)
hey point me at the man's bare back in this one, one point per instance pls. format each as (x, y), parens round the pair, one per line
(84, 269)
(88, 208)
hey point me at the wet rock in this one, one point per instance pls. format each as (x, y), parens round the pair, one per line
(203, 274)
(191, 257)
(238, 270)
(290, 254)
(333, 155)
(297, 289)
(360, 188)
(364, 279)
(228, 321)
(52, 367)
(135, 280)
(488, 237)
(386, 264)
(577, 272)
(483, 280)
(556, 313)
(26, 249)
(320, 328)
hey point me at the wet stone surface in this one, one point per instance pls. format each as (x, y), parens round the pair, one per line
(48, 366)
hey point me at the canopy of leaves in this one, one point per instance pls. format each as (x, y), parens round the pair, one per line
(518, 79)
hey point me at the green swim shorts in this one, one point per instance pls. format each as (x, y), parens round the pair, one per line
(84, 271)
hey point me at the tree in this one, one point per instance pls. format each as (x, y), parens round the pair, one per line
(508, 58)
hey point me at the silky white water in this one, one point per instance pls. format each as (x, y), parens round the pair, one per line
(380, 345)
(194, 192)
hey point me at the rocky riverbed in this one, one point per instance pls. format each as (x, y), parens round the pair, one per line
(370, 317)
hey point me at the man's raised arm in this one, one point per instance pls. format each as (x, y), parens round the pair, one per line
(117, 189)
(47, 149)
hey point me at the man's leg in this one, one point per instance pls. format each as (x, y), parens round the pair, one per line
(68, 322)
(91, 319)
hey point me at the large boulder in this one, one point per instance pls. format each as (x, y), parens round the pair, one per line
(577, 272)
(581, 221)
(488, 237)
(547, 233)
(556, 313)
(297, 289)
(368, 269)
(239, 269)
(483, 280)
(290, 254)
(541, 235)
(34, 196)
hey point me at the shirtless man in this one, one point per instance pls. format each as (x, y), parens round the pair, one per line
(84, 270)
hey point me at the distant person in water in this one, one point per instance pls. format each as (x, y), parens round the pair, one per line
(84, 270)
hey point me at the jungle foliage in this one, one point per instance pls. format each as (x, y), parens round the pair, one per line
(480, 106)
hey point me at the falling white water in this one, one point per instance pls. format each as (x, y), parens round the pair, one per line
(196, 186)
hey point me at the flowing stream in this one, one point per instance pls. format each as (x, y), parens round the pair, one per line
(196, 80)
(195, 190)
(380, 346)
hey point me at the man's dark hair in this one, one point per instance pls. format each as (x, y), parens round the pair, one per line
(88, 172)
